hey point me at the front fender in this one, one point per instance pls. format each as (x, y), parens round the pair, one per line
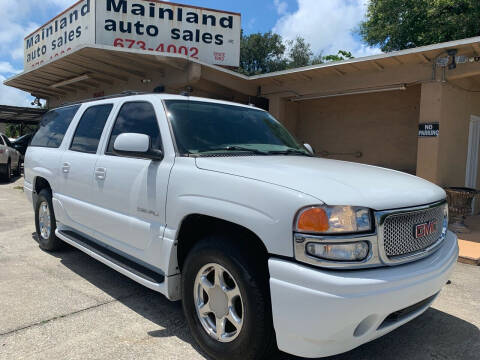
(265, 209)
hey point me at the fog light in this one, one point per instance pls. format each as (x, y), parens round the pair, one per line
(356, 251)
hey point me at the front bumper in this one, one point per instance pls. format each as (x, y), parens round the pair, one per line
(320, 313)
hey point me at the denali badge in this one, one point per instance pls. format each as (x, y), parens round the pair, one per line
(425, 229)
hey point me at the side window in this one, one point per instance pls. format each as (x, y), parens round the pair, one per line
(136, 117)
(90, 128)
(2, 142)
(53, 127)
(7, 142)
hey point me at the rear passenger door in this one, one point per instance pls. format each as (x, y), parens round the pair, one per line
(78, 163)
(130, 193)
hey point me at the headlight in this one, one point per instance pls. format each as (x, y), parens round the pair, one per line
(333, 220)
(356, 251)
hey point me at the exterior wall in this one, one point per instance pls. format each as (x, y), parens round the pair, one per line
(284, 111)
(443, 159)
(2, 128)
(382, 126)
(430, 111)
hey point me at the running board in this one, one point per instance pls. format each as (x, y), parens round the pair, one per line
(127, 267)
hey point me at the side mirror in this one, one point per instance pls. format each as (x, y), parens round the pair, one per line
(136, 145)
(309, 148)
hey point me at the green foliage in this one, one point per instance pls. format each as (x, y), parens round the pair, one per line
(263, 53)
(12, 131)
(401, 24)
(340, 56)
(300, 53)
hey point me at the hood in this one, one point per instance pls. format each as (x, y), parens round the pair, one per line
(332, 182)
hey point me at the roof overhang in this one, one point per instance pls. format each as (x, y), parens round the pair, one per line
(20, 115)
(88, 67)
(91, 66)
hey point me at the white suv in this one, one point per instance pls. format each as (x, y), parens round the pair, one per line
(217, 204)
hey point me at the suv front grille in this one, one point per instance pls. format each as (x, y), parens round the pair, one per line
(399, 237)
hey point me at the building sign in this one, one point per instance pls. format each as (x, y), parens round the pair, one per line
(74, 27)
(151, 26)
(428, 130)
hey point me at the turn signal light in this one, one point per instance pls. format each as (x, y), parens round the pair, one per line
(313, 220)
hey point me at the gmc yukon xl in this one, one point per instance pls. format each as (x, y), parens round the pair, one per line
(216, 204)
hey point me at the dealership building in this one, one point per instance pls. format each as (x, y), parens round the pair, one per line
(416, 110)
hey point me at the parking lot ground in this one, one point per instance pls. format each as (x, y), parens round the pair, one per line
(67, 305)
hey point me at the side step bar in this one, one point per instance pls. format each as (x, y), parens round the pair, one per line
(127, 267)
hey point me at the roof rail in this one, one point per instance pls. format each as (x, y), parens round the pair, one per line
(122, 94)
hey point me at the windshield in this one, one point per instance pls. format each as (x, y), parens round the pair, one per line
(207, 128)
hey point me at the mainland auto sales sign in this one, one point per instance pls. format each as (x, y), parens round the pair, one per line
(152, 26)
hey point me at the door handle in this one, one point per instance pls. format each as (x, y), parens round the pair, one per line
(66, 168)
(100, 173)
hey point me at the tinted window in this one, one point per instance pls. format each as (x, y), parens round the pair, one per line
(205, 127)
(136, 117)
(53, 127)
(90, 128)
(1, 141)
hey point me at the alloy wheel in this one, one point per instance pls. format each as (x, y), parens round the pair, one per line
(44, 220)
(218, 303)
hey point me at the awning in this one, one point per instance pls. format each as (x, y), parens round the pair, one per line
(20, 115)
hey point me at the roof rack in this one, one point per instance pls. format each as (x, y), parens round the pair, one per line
(122, 94)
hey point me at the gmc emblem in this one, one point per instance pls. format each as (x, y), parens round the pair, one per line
(425, 229)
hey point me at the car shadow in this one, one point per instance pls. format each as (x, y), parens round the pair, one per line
(12, 180)
(434, 335)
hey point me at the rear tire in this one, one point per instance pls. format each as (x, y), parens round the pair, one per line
(7, 172)
(45, 222)
(247, 330)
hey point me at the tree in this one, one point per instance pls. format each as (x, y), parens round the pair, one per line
(401, 24)
(340, 56)
(12, 131)
(300, 53)
(264, 53)
(261, 53)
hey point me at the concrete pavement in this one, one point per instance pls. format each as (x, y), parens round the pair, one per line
(66, 305)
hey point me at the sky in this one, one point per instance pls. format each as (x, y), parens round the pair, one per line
(328, 25)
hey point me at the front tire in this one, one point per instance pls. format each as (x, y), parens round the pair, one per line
(226, 301)
(45, 222)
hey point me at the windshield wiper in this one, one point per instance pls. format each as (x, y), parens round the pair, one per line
(290, 151)
(237, 148)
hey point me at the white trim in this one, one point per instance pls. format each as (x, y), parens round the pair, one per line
(351, 92)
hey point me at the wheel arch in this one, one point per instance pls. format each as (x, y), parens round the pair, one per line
(195, 227)
(40, 183)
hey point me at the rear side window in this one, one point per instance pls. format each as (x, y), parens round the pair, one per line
(1, 141)
(90, 128)
(53, 127)
(7, 142)
(136, 117)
